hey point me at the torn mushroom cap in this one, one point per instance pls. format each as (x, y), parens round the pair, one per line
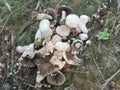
(57, 59)
(83, 36)
(84, 19)
(56, 78)
(56, 38)
(77, 45)
(41, 16)
(52, 12)
(62, 46)
(63, 31)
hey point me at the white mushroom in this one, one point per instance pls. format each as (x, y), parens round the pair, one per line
(73, 21)
(84, 19)
(83, 36)
(56, 38)
(63, 31)
(21, 49)
(62, 46)
(44, 32)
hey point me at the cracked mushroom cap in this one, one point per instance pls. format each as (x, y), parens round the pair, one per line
(63, 30)
(56, 38)
(65, 8)
(56, 78)
(84, 19)
(62, 46)
(52, 12)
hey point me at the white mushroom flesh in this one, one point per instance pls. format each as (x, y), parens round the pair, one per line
(63, 30)
(83, 36)
(56, 38)
(62, 46)
(84, 19)
(39, 77)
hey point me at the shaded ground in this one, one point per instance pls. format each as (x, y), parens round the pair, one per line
(101, 59)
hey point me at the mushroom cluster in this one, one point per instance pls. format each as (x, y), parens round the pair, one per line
(57, 43)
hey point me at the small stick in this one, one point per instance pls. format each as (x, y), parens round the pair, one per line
(109, 79)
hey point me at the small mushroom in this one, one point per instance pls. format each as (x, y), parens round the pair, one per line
(64, 11)
(62, 46)
(56, 38)
(21, 49)
(52, 12)
(84, 19)
(56, 78)
(83, 36)
(63, 31)
(73, 21)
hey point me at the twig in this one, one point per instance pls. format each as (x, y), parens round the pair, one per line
(8, 6)
(4, 25)
(16, 10)
(109, 79)
(98, 67)
(37, 6)
(25, 82)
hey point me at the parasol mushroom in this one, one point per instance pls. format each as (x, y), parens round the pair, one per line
(73, 22)
(64, 11)
(63, 31)
(56, 78)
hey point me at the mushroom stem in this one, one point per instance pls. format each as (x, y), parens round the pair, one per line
(43, 16)
(63, 16)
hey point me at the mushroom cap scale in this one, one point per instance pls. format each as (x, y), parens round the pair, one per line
(63, 30)
(56, 78)
(65, 8)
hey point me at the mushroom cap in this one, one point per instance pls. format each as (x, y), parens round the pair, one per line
(53, 13)
(21, 49)
(84, 19)
(77, 45)
(72, 21)
(56, 78)
(65, 8)
(63, 30)
(56, 38)
(83, 36)
(62, 46)
(45, 29)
